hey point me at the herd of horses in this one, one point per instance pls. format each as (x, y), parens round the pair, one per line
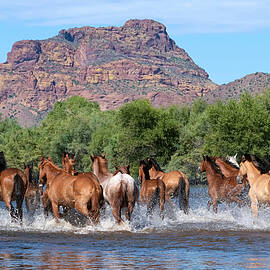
(87, 192)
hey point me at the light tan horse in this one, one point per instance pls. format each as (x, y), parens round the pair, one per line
(176, 183)
(152, 190)
(259, 181)
(13, 185)
(119, 190)
(70, 191)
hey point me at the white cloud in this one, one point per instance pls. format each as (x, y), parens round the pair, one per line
(182, 16)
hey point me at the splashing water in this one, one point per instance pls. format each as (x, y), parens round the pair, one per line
(228, 218)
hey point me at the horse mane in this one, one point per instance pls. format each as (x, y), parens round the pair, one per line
(212, 160)
(145, 169)
(228, 162)
(154, 163)
(262, 166)
(49, 161)
(3, 163)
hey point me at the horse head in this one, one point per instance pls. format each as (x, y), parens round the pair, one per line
(121, 169)
(202, 167)
(233, 160)
(100, 165)
(42, 170)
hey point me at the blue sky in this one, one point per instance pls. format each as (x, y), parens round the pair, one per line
(228, 38)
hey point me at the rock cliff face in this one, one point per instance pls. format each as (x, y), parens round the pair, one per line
(110, 65)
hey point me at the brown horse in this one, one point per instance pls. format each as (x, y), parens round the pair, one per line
(70, 191)
(176, 183)
(119, 190)
(68, 163)
(231, 170)
(259, 180)
(220, 187)
(34, 190)
(13, 185)
(151, 189)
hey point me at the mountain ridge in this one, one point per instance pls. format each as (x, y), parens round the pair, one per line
(110, 65)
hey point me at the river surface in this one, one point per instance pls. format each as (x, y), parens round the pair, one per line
(201, 240)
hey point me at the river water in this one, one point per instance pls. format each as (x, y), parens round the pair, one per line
(201, 240)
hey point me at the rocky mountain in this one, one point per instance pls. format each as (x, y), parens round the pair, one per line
(110, 65)
(253, 83)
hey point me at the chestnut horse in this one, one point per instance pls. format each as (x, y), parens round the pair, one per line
(151, 189)
(68, 163)
(34, 190)
(13, 185)
(231, 170)
(220, 187)
(259, 180)
(70, 191)
(119, 190)
(176, 183)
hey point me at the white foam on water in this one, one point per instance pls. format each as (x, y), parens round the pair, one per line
(229, 217)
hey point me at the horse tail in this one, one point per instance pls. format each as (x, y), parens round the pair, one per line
(161, 187)
(18, 193)
(131, 195)
(183, 191)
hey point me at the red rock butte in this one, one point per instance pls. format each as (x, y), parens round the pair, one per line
(110, 65)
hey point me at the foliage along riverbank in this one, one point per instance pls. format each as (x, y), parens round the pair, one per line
(176, 136)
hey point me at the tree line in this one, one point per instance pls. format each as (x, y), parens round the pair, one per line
(176, 137)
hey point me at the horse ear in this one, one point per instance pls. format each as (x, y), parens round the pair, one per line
(103, 155)
(128, 166)
(92, 157)
(235, 156)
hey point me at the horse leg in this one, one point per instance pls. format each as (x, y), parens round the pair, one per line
(116, 211)
(56, 213)
(27, 205)
(209, 205)
(254, 203)
(10, 208)
(46, 203)
(161, 207)
(215, 206)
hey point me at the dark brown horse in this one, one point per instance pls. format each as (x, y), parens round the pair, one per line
(176, 183)
(70, 191)
(119, 190)
(152, 190)
(34, 190)
(13, 185)
(221, 188)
